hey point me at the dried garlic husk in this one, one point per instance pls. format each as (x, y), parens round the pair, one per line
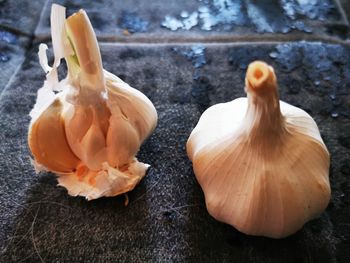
(88, 127)
(261, 162)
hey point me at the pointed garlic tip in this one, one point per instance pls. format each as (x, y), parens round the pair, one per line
(87, 53)
(90, 131)
(261, 162)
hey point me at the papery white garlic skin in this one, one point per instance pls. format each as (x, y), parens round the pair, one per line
(90, 130)
(261, 162)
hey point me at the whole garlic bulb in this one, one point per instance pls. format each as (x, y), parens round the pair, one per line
(88, 127)
(261, 162)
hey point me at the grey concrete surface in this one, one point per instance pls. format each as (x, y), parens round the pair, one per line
(162, 21)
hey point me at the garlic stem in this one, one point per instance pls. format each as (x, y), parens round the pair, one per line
(263, 117)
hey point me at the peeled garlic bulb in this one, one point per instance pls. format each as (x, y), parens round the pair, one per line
(261, 162)
(88, 127)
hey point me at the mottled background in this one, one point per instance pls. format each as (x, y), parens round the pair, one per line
(184, 55)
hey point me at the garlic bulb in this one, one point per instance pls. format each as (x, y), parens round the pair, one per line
(261, 162)
(88, 127)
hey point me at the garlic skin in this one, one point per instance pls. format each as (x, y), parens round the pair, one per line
(90, 130)
(261, 162)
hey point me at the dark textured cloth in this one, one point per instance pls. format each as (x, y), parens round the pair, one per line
(166, 219)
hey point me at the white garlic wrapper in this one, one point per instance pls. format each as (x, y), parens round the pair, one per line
(88, 131)
(261, 162)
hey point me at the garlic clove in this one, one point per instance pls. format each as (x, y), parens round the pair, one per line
(48, 143)
(123, 141)
(89, 146)
(143, 116)
(261, 162)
